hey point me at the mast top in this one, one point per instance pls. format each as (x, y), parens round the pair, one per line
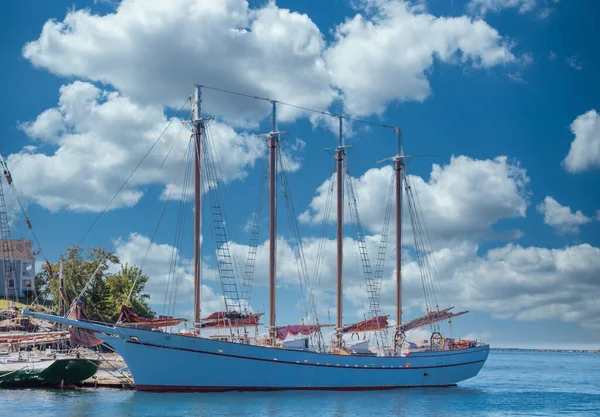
(197, 117)
(400, 156)
(399, 135)
(341, 137)
(341, 144)
(197, 106)
(274, 127)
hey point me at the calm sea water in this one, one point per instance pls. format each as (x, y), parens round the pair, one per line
(510, 384)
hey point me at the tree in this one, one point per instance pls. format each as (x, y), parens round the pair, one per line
(87, 277)
(120, 285)
(42, 285)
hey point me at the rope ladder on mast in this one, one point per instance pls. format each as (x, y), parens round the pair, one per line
(225, 262)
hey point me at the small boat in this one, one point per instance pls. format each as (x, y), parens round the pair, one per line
(22, 369)
(163, 361)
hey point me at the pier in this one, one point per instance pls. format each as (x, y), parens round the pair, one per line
(107, 379)
(112, 372)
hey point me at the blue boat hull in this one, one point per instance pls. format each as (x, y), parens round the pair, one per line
(171, 362)
(164, 362)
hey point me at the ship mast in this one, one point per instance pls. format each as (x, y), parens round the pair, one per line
(273, 140)
(198, 131)
(340, 153)
(398, 166)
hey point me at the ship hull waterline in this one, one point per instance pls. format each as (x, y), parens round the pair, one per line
(171, 362)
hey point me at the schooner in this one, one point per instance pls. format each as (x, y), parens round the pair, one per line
(192, 361)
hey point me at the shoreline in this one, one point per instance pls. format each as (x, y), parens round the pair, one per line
(524, 350)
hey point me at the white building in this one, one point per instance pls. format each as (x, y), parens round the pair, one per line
(22, 278)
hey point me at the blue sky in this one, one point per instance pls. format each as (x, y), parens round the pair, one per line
(503, 92)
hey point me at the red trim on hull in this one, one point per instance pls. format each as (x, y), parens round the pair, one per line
(168, 388)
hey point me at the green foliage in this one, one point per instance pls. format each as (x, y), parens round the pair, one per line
(87, 277)
(119, 285)
(42, 285)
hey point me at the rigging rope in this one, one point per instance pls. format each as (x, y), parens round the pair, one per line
(370, 281)
(131, 175)
(429, 246)
(225, 262)
(379, 267)
(222, 90)
(254, 236)
(186, 191)
(323, 240)
(10, 265)
(221, 191)
(310, 306)
(187, 195)
(360, 242)
(421, 251)
(157, 224)
(21, 207)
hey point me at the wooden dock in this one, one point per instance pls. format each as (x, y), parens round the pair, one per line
(108, 379)
(112, 373)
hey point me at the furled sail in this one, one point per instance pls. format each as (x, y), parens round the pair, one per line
(374, 323)
(129, 318)
(296, 329)
(222, 319)
(430, 318)
(77, 334)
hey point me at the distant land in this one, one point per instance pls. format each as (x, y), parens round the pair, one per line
(545, 350)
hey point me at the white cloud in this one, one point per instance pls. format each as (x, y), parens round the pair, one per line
(533, 283)
(333, 125)
(561, 217)
(277, 53)
(12, 209)
(298, 145)
(485, 336)
(481, 7)
(508, 282)
(289, 162)
(99, 137)
(174, 284)
(385, 58)
(48, 125)
(163, 278)
(526, 283)
(574, 62)
(461, 200)
(516, 77)
(236, 154)
(584, 153)
(154, 51)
